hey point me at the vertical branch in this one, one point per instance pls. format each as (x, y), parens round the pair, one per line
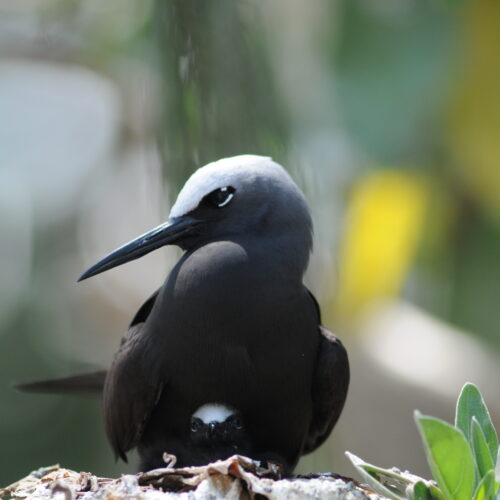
(219, 95)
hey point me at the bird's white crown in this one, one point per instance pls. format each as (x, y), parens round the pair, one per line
(213, 412)
(222, 173)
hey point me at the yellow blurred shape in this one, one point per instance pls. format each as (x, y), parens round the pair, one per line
(384, 227)
(474, 125)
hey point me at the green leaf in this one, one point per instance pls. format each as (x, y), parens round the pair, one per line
(497, 468)
(480, 447)
(449, 457)
(436, 492)
(420, 491)
(487, 487)
(373, 476)
(471, 404)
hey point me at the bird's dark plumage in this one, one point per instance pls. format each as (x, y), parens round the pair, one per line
(209, 439)
(84, 384)
(331, 381)
(232, 325)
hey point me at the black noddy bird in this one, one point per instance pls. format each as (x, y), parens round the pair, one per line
(232, 326)
(216, 432)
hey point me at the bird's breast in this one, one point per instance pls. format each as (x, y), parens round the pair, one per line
(225, 323)
(201, 269)
(222, 277)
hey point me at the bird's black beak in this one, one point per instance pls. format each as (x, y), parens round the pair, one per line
(169, 233)
(213, 430)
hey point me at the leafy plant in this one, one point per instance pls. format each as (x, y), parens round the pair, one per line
(463, 458)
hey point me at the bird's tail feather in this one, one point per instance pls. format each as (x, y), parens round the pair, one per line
(82, 384)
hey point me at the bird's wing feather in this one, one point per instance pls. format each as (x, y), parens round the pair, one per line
(329, 391)
(132, 388)
(142, 314)
(82, 384)
(315, 304)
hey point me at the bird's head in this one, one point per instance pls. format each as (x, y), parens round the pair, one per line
(217, 425)
(244, 196)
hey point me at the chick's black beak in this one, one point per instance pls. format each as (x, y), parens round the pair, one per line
(213, 430)
(170, 233)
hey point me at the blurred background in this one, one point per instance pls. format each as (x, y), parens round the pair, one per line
(386, 113)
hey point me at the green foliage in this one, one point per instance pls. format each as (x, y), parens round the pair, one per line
(471, 404)
(463, 458)
(487, 487)
(388, 482)
(420, 491)
(482, 454)
(449, 457)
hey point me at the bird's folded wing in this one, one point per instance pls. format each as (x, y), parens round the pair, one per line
(132, 389)
(329, 391)
(142, 314)
(81, 384)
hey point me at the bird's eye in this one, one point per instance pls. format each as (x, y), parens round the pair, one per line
(220, 197)
(236, 422)
(195, 424)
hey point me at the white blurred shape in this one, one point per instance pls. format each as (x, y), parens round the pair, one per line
(428, 353)
(57, 123)
(16, 243)
(129, 201)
